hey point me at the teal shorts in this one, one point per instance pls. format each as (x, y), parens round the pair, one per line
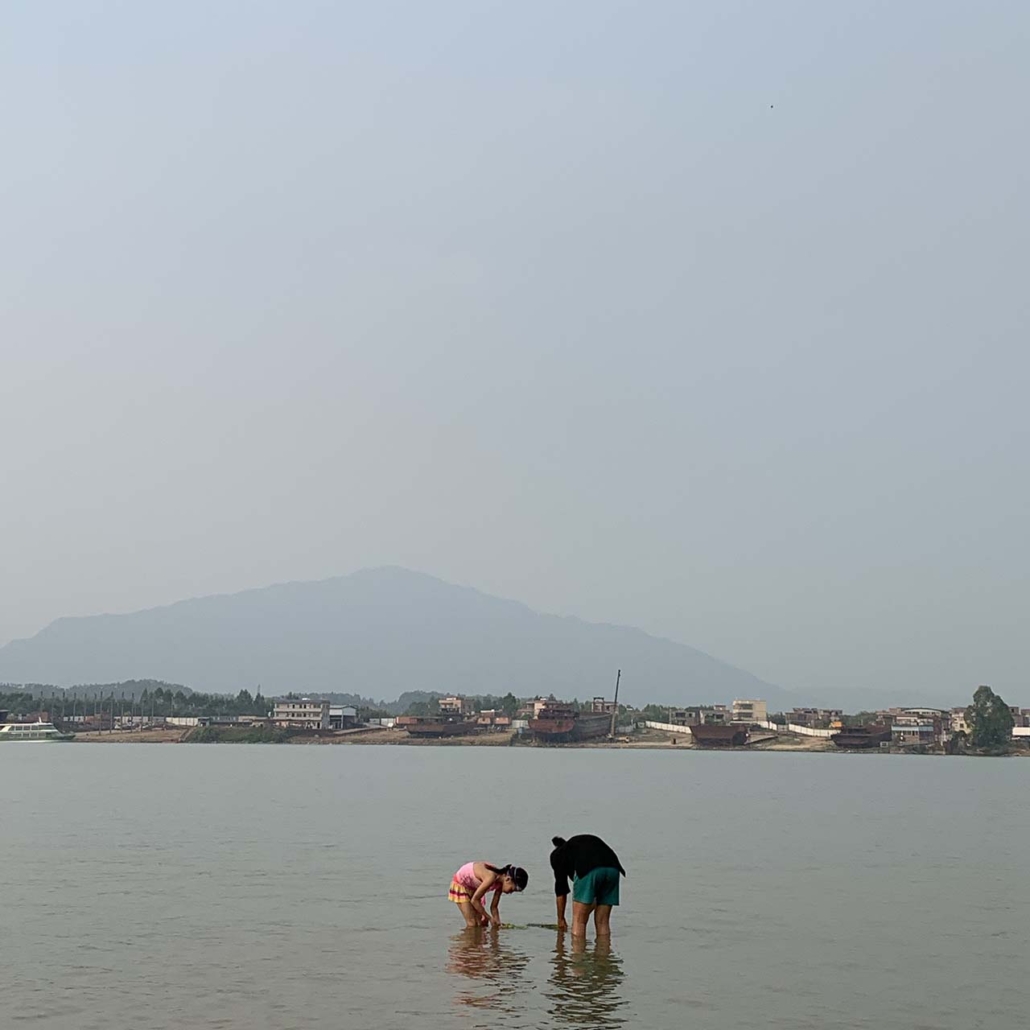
(598, 887)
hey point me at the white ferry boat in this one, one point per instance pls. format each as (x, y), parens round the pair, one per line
(38, 731)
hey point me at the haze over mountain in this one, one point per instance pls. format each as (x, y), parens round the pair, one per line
(377, 632)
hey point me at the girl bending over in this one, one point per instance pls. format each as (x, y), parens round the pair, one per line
(474, 880)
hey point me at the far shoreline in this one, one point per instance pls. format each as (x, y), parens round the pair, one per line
(398, 738)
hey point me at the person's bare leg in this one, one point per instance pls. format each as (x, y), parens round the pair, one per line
(470, 914)
(603, 920)
(580, 918)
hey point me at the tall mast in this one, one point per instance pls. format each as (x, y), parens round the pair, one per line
(615, 709)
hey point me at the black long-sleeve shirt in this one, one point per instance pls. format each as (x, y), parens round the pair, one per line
(578, 856)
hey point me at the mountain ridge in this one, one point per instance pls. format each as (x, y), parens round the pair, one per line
(376, 632)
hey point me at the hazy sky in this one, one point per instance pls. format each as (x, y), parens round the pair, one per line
(707, 317)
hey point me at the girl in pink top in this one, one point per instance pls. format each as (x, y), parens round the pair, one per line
(474, 880)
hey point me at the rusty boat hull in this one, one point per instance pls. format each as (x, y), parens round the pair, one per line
(720, 735)
(566, 727)
(862, 738)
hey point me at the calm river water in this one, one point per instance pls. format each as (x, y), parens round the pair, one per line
(258, 887)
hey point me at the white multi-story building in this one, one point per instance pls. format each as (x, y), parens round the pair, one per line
(700, 715)
(912, 730)
(301, 713)
(750, 710)
(958, 722)
(455, 705)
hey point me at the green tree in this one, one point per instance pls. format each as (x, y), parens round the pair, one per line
(509, 704)
(655, 713)
(424, 708)
(990, 720)
(863, 718)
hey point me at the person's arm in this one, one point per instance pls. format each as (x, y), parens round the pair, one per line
(559, 903)
(561, 887)
(495, 909)
(477, 899)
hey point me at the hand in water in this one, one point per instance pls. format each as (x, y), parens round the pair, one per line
(562, 925)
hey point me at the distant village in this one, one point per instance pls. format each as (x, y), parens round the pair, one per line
(746, 723)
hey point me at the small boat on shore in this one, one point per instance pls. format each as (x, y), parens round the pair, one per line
(38, 732)
(431, 726)
(862, 737)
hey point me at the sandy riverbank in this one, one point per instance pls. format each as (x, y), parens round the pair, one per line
(648, 739)
(174, 735)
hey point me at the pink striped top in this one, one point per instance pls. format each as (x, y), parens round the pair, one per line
(466, 876)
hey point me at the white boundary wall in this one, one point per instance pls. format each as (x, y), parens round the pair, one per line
(801, 731)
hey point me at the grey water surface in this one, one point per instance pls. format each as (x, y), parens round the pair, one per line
(193, 886)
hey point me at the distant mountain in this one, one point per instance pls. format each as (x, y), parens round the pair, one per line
(376, 633)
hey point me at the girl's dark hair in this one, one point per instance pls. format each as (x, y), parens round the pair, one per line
(519, 875)
(558, 842)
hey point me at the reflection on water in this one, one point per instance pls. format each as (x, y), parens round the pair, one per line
(495, 969)
(584, 984)
(583, 987)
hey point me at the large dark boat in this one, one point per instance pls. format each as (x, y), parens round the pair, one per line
(559, 723)
(720, 734)
(434, 726)
(862, 737)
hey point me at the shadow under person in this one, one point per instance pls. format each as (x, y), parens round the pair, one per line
(594, 870)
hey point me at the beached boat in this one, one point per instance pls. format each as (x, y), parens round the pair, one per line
(34, 731)
(862, 737)
(432, 726)
(560, 723)
(719, 734)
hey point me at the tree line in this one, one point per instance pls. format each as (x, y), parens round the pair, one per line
(145, 697)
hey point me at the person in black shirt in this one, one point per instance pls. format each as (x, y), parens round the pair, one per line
(594, 870)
